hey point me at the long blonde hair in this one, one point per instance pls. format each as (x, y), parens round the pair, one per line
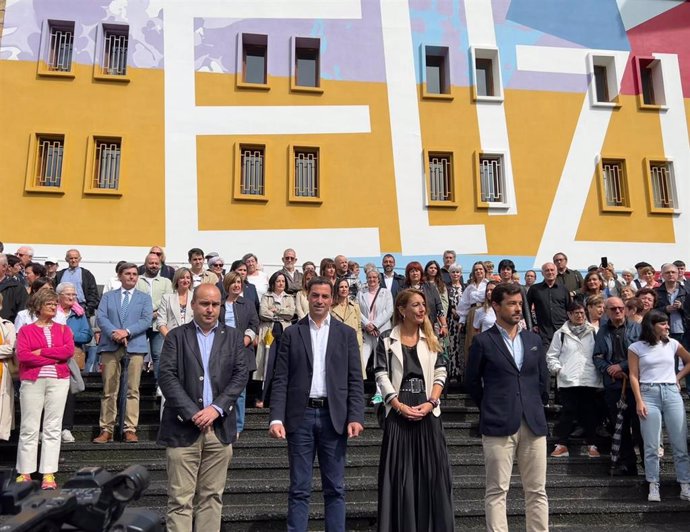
(402, 300)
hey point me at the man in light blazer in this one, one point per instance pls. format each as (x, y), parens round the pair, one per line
(507, 377)
(123, 316)
(317, 402)
(203, 371)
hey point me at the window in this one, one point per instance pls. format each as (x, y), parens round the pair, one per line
(437, 80)
(254, 55)
(487, 74)
(106, 173)
(60, 45)
(651, 82)
(305, 174)
(307, 63)
(115, 45)
(250, 172)
(49, 157)
(662, 186)
(603, 84)
(492, 188)
(440, 183)
(613, 182)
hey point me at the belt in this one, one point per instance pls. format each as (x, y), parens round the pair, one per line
(413, 385)
(317, 402)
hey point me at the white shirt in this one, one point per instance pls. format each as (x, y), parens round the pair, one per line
(388, 281)
(319, 344)
(260, 280)
(656, 361)
(122, 295)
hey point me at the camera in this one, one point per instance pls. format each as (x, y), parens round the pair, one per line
(93, 500)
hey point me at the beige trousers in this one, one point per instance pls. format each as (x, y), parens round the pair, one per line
(196, 480)
(111, 388)
(499, 453)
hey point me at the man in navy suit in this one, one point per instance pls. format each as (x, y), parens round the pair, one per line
(317, 402)
(123, 316)
(507, 378)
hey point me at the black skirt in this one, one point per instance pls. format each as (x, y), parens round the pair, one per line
(415, 480)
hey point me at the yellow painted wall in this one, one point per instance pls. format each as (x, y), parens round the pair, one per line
(634, 135)
(538, 155)
(80, 107)
(356, 169)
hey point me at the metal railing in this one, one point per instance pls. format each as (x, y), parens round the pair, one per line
(60, 50)
(115, 53)
(614, 183)
(49, 154)
(306, 174)
(440, 178)
(107, 165)
(491, 179)
(252, 183)
(663, 186)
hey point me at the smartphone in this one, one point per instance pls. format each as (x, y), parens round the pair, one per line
(604, 262)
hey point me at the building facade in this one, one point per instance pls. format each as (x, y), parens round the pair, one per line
(495, 128)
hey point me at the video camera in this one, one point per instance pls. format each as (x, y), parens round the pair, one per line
(93, 500)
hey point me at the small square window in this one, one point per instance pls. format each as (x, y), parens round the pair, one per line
(250, 172)
(613, 183)
(604, 83)
(305, 174)
(254, 55)
(492, 187)
(486, 73)
(662, 186)
(60, 46)
(307, 62)
(651, 82)
(437, 79)
(115, 47)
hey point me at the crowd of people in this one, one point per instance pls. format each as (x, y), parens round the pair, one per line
(311, 335)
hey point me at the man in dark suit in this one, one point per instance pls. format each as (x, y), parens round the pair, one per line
(203, 370)
(317, 402)
(389, 279)
(507, 378)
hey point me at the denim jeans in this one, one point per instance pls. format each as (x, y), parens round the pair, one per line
(91, 360)
(664, 399)
(156, 346)
(240, 409)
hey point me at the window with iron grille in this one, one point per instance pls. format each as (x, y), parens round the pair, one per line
(491, 179)
(663, 183)
(306, 183)
(60, 46)
(252, 164)
(441, 177)
(115, 45)
(615, 183)
(49, 158)
(107, 160)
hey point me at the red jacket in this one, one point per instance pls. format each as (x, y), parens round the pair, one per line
(31, 338)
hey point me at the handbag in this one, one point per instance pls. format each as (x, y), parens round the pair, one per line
(79, 357)
(76, 383)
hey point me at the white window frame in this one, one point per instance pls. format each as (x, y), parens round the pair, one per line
(657, 77)
(609, 62)
(492, 54)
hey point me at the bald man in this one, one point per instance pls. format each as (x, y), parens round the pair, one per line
(550, 300)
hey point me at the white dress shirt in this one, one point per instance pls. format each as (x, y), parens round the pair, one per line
(319, 344)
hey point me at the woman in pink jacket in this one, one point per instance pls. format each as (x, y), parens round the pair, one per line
(43, 349)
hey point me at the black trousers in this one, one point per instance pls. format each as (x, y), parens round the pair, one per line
(578, 403)
(631, 434)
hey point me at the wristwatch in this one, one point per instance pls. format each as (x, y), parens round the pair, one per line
(434, 402)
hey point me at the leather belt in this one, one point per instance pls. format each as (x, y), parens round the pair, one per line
(317, 402)
(413, 385)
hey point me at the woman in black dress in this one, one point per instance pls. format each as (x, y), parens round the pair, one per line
(415, 484)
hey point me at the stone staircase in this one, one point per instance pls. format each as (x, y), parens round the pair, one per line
(581, 494)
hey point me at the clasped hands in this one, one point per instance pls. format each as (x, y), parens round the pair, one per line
(615, 371)
(204, 418)
(414, 413)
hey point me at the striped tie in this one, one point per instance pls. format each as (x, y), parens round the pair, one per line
(123, 307)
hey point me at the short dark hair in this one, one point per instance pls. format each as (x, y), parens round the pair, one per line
(236, 264)
(504, 289)
(319, 281)
(575, 305)
(38, 269)
(506, 263)
(40, 283)
(648, 322)
(387, 255)
(126, 266)
(679, 264)
(274, 278)
(642, 264)
(647, 290)
(560, 253)
(117, 266)
(12, 260)
(193, 252)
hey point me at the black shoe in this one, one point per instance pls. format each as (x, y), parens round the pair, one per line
(624, 471)
(577, 433)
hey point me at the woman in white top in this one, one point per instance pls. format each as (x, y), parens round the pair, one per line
(474, 293)
(485, 317)
(651, 363)
(176, 308)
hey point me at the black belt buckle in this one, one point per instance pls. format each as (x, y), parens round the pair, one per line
(318, 402)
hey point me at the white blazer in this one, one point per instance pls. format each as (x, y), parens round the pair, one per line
(169, 311)
(383, 311)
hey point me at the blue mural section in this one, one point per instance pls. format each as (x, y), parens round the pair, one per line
(591, 23)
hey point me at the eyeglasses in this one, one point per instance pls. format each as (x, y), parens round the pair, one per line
(159, 253)
(50, 304)
(289, 258)
(218, 265)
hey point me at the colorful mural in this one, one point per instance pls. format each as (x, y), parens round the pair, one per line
(183, 114)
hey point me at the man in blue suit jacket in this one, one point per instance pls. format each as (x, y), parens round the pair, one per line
(317, 402)
(507, 377)
(123, 316)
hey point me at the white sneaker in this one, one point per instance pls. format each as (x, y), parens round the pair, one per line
(654, 492)
(685, 492)
(158, 392)
(660, 451)
(67, 437)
